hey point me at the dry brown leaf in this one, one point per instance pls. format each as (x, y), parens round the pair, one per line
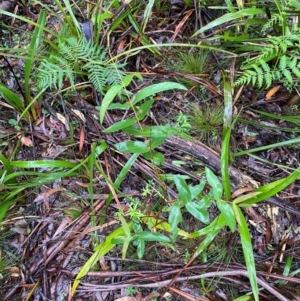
(271, 92)
(81, 138)
(241, 191)
(26, 141)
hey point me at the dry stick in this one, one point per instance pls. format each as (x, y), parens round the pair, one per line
(63, 239)
(164, 283)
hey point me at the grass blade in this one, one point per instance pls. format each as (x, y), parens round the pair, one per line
(247, 250)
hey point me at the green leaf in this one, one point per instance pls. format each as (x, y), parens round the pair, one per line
(12, 99)
(157, 141)
(246, 197)
(108, 98)
(196, 210)
(175, 218)
(140, 248)
(271, 189)
(158, 158)
(197, 189)
(247, 250)
(122, 174)
(101, 250)
(184, 191)
(156, 88)
(248, 12)
(225, 154)
(135, 147)
(228, 213)
(152, 236)
(120, 125)
(209, 238)
(43, 164)
(213, 181)
(150, 131)
(143, 110)
(8, 168)
(127, 234)
(32, 52)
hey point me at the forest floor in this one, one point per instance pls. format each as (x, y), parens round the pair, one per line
(118, 188)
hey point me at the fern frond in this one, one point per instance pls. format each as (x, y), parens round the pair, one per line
(52, 74)
(74, 57)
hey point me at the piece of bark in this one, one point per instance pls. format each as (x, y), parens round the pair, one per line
(210, 158)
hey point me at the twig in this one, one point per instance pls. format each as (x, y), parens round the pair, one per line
(164, 283)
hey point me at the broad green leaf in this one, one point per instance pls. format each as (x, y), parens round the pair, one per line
(197, 189)
(117, 106)
(184, 193)
(198, 212)
(157, 141)
(228, 213)
(108, 98)
(152, 236)
(122, 174)
(206, 201)
(158, 158)
(156, 88)
(151, 131)
(135, 147)
(218, 223)
(128, 78)
(248, 12)
(208, 239)
(175, 218)
(215, 184)
(120, 125)
(143, 110)
(140, 248)
(247, 250)
(100, 148)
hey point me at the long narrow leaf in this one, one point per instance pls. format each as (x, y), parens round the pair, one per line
(156, 88)
(102, 249)
(226, 139)
(32, 53)
(248, 12)
(247, 250)
(271, 189)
